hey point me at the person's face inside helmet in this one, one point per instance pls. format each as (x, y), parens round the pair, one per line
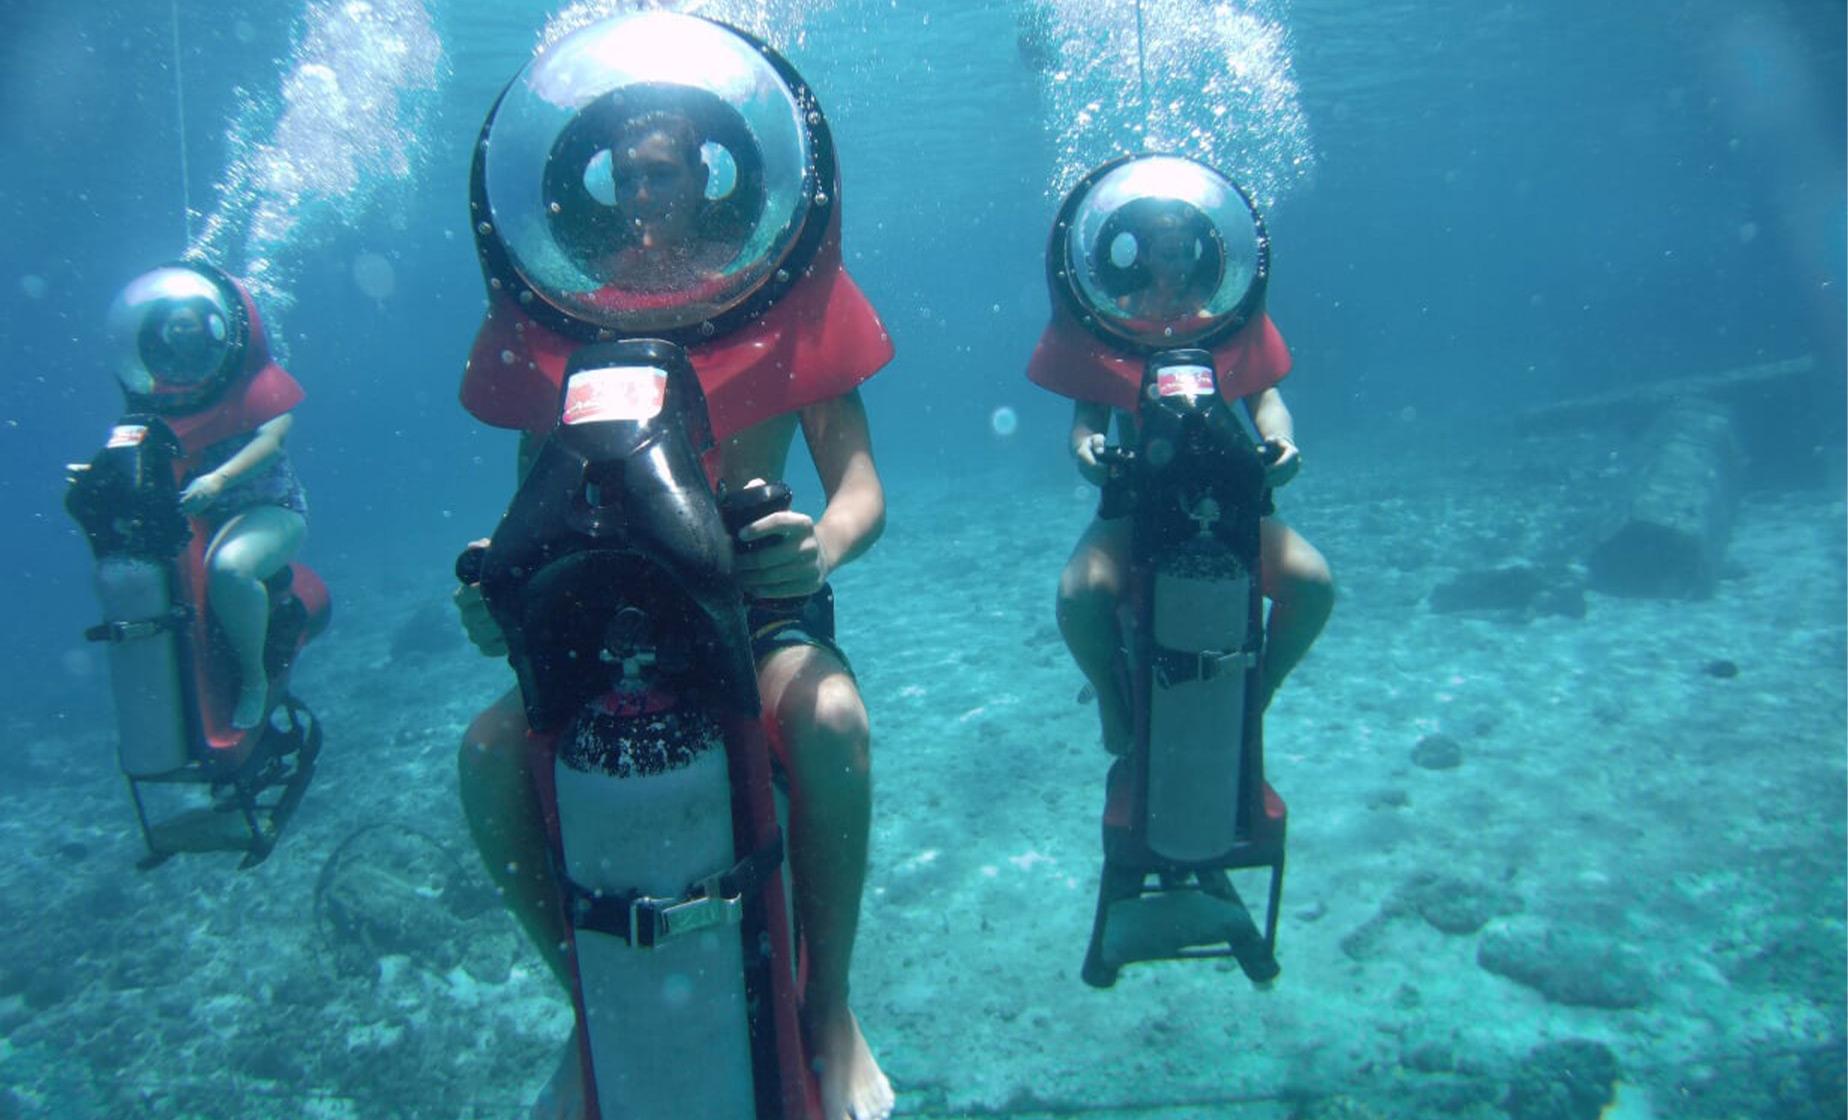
(1172, 259)
(191, 345)
(660, 184)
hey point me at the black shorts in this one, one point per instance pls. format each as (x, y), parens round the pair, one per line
(778, 623)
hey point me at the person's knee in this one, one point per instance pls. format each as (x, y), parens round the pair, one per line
(1312, 585)
(492, 753)
(830, 733)
(1299, 578)
(230, 564)
(1089, 588)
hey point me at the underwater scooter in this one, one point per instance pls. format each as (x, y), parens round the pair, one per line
(1188, 802)
(611, 578)
(173, 677)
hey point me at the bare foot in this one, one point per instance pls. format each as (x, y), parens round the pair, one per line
(852, 1085)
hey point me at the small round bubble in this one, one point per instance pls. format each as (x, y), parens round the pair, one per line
(77, 662)
(676, 990)
(1004, 421)
(374, 275)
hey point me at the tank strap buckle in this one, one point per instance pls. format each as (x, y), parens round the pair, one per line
(131, 630)
(1173, 666)
(654, 920)
(645, 921)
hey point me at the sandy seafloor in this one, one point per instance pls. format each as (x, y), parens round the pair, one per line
(1647, 833)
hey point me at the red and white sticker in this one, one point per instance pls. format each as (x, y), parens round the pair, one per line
(127, 435)
(1192, 381)
(615, 393)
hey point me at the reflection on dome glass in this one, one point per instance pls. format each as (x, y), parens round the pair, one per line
(634, 192)
(1161, 251)
(171, 332)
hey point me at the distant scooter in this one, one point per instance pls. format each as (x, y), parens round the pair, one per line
(174, 679)
(1188, 802)
(195, 367)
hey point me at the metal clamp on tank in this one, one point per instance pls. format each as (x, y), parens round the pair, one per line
(1178, 666)
(645, 921)
(136, 629)
(654, 920)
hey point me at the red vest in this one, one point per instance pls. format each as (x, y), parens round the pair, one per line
(1075, 363)
(820, 340)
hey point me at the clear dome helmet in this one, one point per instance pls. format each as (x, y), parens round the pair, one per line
(177, 337)
(651, 174)
(1154, 252)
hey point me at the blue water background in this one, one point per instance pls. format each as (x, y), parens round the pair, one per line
(1511, 203)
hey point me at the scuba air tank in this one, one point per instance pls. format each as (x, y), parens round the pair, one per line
(1201, 489)
(128, 506)
(644, 808)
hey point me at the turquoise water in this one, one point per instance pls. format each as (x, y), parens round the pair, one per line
(1477, 211)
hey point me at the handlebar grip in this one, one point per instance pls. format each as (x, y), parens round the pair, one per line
(752, 503)
(470, 563)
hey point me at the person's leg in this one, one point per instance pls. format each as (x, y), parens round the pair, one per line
(816, 715)
(1090, 588)
(1301, 589)
(248, 549)
(501, 804)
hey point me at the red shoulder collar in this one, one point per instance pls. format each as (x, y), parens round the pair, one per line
(1073, 362)
(820, 340)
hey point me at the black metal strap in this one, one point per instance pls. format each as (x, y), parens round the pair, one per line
(1175, 666)
(176, 617)
(644, 921)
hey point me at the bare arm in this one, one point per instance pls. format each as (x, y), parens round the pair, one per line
(799, 554)
(260, 450)
(1271, 415)
(483, 632)
(841, 443)
(1090, 431)
(1272, 419)
(263, 447)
